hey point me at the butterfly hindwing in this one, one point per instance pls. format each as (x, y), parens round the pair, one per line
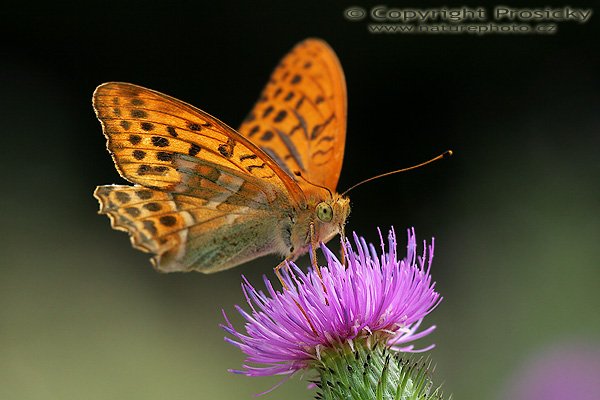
(185, 232)
(138, 211)
(300, 118)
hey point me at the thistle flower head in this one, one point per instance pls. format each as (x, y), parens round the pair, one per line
(374, 299)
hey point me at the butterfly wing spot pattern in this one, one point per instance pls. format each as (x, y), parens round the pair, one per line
(151, 216)
(300, 118)
(207, 197)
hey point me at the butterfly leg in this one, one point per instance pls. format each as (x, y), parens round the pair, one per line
(314, 243)
(343, 243)
(283, 264)
(313, 251)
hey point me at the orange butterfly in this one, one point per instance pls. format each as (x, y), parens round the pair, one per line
(207, 197)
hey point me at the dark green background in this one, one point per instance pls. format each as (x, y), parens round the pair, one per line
(515, 213)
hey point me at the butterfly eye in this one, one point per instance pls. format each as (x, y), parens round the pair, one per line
(324, 212)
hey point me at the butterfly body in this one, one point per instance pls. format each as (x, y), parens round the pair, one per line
(207, 197)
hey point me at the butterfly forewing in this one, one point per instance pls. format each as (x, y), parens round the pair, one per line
(165, 144)
(300, 117)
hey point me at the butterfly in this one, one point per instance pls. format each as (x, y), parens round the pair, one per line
(207, 197)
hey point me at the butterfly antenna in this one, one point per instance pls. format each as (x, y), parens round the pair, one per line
(446, 154)
(299, 175)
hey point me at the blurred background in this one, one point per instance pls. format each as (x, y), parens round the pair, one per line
(515, 212)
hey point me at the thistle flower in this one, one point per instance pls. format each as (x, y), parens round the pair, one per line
(374, 302)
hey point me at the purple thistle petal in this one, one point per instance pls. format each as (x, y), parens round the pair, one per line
(375, 296)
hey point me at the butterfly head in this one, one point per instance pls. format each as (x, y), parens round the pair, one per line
(331, 215)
